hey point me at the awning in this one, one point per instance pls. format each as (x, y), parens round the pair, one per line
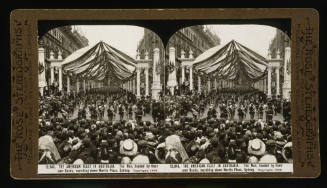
(231, 62)
(100, 62)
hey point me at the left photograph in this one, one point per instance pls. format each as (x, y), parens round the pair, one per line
(95, 85)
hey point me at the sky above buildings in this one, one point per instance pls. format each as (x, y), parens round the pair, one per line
(122, 37)
(125, 38)
(255, 37)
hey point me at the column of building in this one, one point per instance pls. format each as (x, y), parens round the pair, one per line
(183, 66)
(77, 84)
(269, 82)
(156, 85)
(287, 74)
(84, 85)
(216, 85)
(273, 65)
(172, 80)
(146, 72)
(142, 66)
(209, 84)
(68, 83)
(56, 64)
(138, 82)
(191, 57)
(199, 83)
(41, 76)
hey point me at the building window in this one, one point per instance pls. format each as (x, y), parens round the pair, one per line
(56, 34)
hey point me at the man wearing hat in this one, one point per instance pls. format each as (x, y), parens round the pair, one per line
(212, 113)
(140, 159)
(110, 113)
(256, 147)
(268, 158)
(128, 147)
(252, 111)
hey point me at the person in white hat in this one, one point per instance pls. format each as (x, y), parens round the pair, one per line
(126, 160)
(128, 147)
(256, 147)
(141, 159)
(277, 135)
(268, 158)
(253, 159)
(78, 161)
(204, 161)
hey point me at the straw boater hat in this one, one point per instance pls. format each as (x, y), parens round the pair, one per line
(128, 147)
(141, 159)
(149, 136)
(253, 159)
(204, 161)
(132, 122)
(93, 126)
(285, 148)
(126, 160)
(268, 158)
(278, 135)
(167, 120)
(78, 161)
(256, 147)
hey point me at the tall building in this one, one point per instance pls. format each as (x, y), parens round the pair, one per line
(65, 39)
(195, 38)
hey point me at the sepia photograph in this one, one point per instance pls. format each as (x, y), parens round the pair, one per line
(116, 94)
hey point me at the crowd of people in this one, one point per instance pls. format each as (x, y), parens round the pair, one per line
(109, 126)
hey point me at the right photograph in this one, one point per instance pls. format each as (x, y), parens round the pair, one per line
(228, 94)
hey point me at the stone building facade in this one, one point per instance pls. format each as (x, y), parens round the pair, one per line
(61, 40)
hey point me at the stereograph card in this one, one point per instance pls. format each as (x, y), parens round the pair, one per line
(164, 93)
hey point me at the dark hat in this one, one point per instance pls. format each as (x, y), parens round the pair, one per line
(239, 141)
(194, 147)
(271, 142)
(89, 160)
(86, 141)
(216, 160)
(209, 130)
(259, 135)
(73, 155)
(232, 142)
(142, 143)
(214, 141)
(104, 143)
(192, 160)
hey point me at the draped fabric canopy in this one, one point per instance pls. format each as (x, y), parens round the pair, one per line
(100, 62)
(232, 62)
